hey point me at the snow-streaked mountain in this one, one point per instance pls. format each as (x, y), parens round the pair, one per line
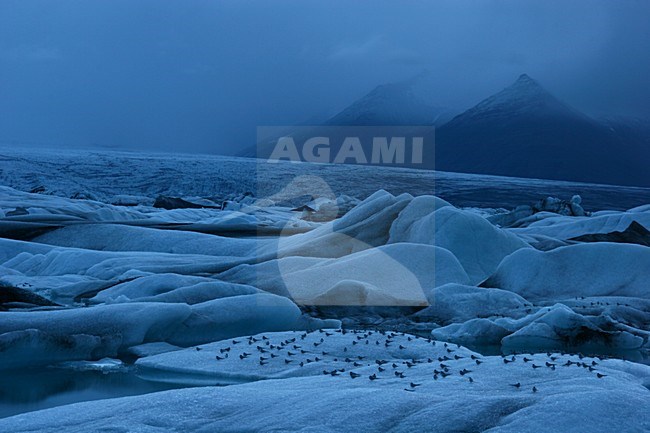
(525, 131)
(403, 103)
(521, 131)
(525, 97)
(399, 103)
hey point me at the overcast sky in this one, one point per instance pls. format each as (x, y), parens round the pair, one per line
(201, 75)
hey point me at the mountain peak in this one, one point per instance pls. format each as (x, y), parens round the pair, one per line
(525, 78)
(397, 103)
(523, 97)
(526, 84)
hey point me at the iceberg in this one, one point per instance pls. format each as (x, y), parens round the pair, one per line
(391, 392)
(477, 244)
(576, 270)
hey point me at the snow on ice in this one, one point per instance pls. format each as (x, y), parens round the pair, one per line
(244, 292)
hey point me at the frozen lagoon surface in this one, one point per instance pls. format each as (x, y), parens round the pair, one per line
(376, 306)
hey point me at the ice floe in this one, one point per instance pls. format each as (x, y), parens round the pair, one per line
(140, 281)
(171, 288)
(404, 272)
(44, 337)
(477, 244)
(593, 269)
(425, 387)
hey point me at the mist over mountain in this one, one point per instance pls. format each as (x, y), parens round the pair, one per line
(403, 103)
(525, 131)
(522, 131)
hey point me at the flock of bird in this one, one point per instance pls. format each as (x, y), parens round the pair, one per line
(351, 356)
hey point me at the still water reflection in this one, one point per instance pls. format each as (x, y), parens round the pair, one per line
(35, 389)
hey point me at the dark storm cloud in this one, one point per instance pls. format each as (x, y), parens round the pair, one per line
(200, 75)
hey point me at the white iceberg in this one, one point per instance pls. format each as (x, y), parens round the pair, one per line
(594, 269)
(500, 397)
(477, 244)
